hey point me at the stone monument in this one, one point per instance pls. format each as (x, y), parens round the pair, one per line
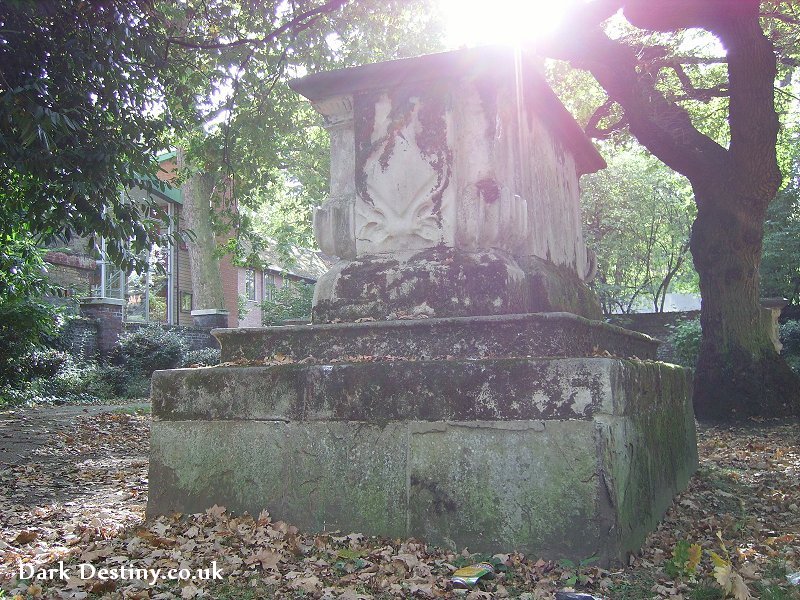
(455, 384)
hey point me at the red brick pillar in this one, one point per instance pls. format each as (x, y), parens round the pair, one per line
(108, 314)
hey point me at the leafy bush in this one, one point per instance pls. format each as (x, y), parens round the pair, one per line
(25, 325)
(207, 357)
(685, 339)
(45, 362)
(790, 337)
(292, 301)
(148, 349)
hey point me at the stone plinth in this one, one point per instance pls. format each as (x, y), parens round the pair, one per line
(428, 398)
(552, 457)
(454, 190)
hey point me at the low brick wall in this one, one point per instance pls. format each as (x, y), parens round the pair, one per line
(96, 331)
(657, 325)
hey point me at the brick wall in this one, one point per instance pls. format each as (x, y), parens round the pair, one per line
(80, 337)
(72, 275)
(657, 325)
(101, 326)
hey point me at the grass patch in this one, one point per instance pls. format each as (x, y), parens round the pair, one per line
(638, 586)
(776, 592)
(706, 592)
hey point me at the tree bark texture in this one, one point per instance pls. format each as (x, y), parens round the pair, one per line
(198, 190)
(739, 373)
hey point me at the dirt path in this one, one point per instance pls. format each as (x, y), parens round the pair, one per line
(27, 433)
(69, 475)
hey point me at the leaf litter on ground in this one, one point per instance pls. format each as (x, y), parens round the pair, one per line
(734, 532)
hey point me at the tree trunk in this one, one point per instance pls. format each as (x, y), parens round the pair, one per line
(197, 217)
(739, 373)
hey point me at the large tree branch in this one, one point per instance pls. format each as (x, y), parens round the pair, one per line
(662, 126)
(299, 22)
(593, 128)
(695, 93)
(673, 15)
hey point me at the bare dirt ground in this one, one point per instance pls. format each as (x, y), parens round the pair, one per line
(73, 488)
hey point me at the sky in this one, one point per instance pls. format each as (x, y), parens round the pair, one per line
(481, 22)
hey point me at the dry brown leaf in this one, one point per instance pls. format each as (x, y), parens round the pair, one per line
(26, 537)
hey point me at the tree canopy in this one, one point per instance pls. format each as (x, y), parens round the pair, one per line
(81, 118)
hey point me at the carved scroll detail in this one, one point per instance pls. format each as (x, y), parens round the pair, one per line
(401, 208)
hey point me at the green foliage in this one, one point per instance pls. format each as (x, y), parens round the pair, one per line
(22, 266)
(25, 325)
(775, 592)
(206, 357)
(684, 561)
(780, 259)
(573, 572)
(790, 338)
(292, 301)
(241, 307)
(147, 349)
(45, 362)
(67, 380)
(637, 219)
(685, 339)
(706, 592)
(268, 142)
(80, 96)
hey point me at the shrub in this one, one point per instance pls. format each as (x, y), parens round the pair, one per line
(72, 381)
(24, 326)
(45, 362)
(148, 349)
(790, 337)
(685, 339)
(207, 357)
(292, 301)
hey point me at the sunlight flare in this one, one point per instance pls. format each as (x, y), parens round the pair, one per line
(512, 22)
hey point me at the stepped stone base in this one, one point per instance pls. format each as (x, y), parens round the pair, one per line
(522, 335)
(555, 457)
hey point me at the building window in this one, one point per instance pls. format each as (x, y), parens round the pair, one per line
(269, 286)
(250, 284)
(186, 302)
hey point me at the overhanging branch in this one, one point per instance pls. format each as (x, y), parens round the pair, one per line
(298, 23)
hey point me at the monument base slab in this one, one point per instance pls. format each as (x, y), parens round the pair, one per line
(579, 457)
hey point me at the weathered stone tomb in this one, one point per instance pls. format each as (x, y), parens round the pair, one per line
(456, 384)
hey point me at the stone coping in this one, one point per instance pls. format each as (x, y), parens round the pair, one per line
(98, 301)
(208, 311)
(450, 390)
(522, 335)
